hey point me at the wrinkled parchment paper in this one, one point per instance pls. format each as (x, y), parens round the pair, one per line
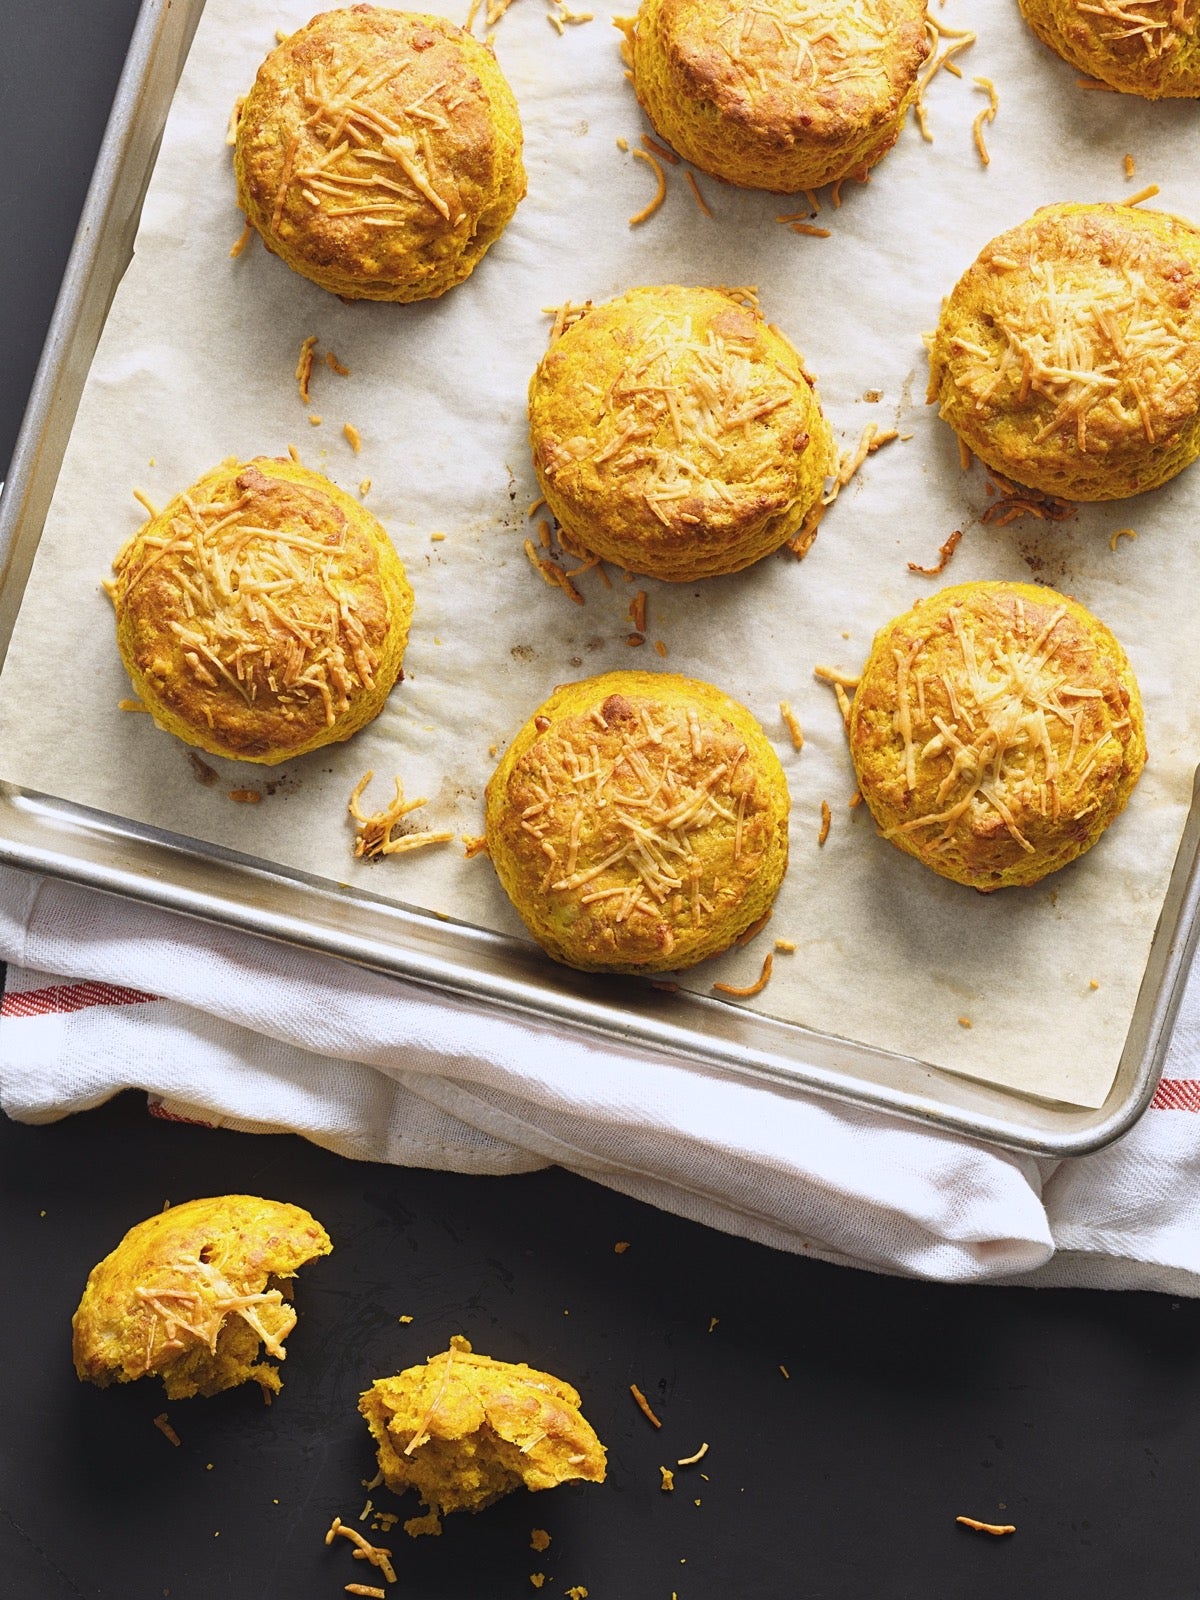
(196, 364)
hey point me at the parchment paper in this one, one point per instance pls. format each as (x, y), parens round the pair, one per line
(196, 364)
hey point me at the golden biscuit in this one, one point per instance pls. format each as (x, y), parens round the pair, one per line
(639, 822)
(1146, 47)
(996, 732)
(192, 1293)
(675, 433)
(786, 98)
(379, 153)
(261, 614)
(1068, 356)
(464, 1430)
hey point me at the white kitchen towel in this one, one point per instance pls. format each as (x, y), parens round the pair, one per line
(227, 1029)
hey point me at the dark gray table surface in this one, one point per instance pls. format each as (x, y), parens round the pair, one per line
(1074, 1415)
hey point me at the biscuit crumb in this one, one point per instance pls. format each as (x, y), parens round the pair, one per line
(661, 648)
(130, 705)
(539, 1540)
(246, 797)
(1130, 166)
(537, 1579)
(668, 1480)
(436, 538)
(1093, 983)
(786, 947)
(364, 487)
(314, 420)
(620, 1247)
(474, 844)
(622, 144)
(965, 1022)
(428, 1526)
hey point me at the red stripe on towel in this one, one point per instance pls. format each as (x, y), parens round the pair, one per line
(1177, 1094)
(61, 997)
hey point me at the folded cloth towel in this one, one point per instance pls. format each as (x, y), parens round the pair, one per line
(224, 1028)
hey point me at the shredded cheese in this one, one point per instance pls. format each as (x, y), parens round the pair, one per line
(786, 946)
(690, 1461)
(945, 551)
(987, 1527)
(373, 833)
(643, 1405)
(334, 365)
(659, 150)
(988, 114)
(1121, 533)
(791, 722)
(756, 987)
(807, 227)
(353, 437)
(668, 1480)
(826, 819)
(648, 211)
(960, 39)
(163, 1426)
(242, 241)
(304, 367)
(377, 1555)
(695, 188)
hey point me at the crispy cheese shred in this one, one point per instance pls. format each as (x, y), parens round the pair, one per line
(1121, 533)
(786, 946)
(373, 833)
(996, 1528)
(364, 1550)
(826, 819)
(690, 1461)
(807, 227)
(945, 551)
(552, 573)
(334, 365)
(367, 1589)
(353, 437)
(643, 1405)
(648, 211)
(1130, 166)
(304, 367)
(792, 724)
(1016, 501)
(165, 1428)
(1147, 193)
(130, 705)
(757, 987)
(700, 200)
(959, 39)
(988, 114)
(659, 150)
(240, 244)
(668, 1480)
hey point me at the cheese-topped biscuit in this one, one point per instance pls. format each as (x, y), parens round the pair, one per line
(639, 822)
(464, 1429)
(996, 732)
(1146, 47)
(262, 613)
(676, 433)
(1068, 355)
(193, 1293)
(783, 97)
(379, 153)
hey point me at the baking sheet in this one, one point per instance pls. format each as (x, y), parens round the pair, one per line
(196, 363)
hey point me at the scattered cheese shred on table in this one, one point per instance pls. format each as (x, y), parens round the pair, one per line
(1147, 193)
(807, 227)
(960, 39)
(240, 244)
(165, 1428)
(749, 989)
(786, 946)
(648, 211)
(246, 797)
(373, 834)
(826, 819)
(353, 437)
(620, 1247)
(690, 1461)
(668, 1480)
(378, 1555)
(700, 200)
(367, 1589)
(334, 365)
(1121, 533)
(987, 1527)
(659, 150)
(643, 1405)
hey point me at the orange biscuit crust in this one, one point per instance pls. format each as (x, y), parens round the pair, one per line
(677, 434)
(263, 613)
(996, 732)
(379, 153)
(1145, 47)
(190, 1294)
(1068, 355)
(639, 822)
(464, 1430)
(779, 97)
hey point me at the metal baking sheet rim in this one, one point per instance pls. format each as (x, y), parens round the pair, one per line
(42, 834)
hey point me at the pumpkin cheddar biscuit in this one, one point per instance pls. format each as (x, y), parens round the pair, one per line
(1145, 47)
(1067, 356)
(677, 434)
(639, 822)
(379, 153)
(778, 96)
(996, 732)
(262, 613)
(463, 1430)
(192, 1293)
